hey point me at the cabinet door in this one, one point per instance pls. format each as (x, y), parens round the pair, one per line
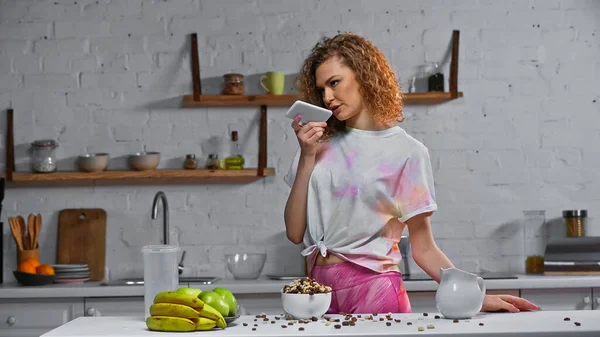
(422, 301)
(596, 299)
(114, 306)
(36, 316)
(560, 299)
(255, 304)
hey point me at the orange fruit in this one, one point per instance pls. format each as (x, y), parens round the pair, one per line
(32, 261)
(45, 269)
(26, 267)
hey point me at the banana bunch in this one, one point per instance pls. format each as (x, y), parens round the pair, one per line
(178, 312)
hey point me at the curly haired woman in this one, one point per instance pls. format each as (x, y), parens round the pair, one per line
(358, 180)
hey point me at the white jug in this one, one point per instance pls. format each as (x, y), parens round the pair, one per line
(460, 294)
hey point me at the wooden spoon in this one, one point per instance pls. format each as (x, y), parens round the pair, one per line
(38, 229)
(16, 231)
(30, 230)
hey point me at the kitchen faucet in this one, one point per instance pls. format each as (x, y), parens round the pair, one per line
(160, 195)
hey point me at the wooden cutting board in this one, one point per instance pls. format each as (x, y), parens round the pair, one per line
(82, 239)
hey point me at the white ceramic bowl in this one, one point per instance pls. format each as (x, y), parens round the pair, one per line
(304, 306)
(142, 161)
(92, 162)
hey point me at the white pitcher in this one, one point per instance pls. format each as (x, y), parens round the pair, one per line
(460, 294)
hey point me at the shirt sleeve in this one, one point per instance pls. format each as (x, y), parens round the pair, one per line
(415, 192)
(290, 176)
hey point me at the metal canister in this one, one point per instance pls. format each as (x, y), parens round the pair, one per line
(575, 222)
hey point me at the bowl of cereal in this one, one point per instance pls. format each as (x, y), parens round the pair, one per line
(306, 298)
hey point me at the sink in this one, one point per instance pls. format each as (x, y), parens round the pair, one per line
(140, 281)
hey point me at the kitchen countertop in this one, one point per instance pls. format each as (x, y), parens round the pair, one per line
(267, 286)
(540, 323)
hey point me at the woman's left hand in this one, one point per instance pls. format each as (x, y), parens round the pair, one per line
(508, 303)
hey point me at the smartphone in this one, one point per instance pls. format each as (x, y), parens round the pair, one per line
(309, 112)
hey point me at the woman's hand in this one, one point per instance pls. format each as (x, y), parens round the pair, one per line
(308, 135)
(507, 303)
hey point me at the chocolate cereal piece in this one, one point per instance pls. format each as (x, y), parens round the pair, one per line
(388, 323)
(409, 323)
(272, 322)
(397, 320)
(253, 329)
(255, 324)
(567, 319)
(425, 314)
(577, 323)
(337, 326)
(314, 319)
(380, 319)
(245, 324)
(480, 324)
(301, 328)
(436, 317)
(345, 323)
(455, 321)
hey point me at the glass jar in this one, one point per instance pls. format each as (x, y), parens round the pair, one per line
(575, 222)
(436, 79)
(234, 84)
(190, 162)
(43, 155)
(534, 238)
(212, 163)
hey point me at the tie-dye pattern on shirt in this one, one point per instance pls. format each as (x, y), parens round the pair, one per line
(363, 188)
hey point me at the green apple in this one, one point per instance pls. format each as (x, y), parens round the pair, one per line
(190, 291)
(228, 297)
(216, 301)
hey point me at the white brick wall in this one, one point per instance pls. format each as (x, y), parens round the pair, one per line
(108, 76)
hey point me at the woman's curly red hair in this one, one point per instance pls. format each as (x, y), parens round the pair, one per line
(380, 90)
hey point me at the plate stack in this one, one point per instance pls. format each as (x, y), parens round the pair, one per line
(71, 273)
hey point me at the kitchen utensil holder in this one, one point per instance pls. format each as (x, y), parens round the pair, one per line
(22, 255)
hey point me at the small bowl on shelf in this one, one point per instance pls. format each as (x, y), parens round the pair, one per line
(143, 161)
(92, 162)
(245, 266)
(28, 279)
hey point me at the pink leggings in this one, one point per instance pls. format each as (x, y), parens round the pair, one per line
(359, 290)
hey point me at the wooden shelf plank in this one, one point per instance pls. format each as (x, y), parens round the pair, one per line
(429, 98)
(139, 177)
(418, 98)
(233, 100)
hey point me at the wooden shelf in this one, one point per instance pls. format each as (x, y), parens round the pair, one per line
(232, 100)
(74, 178)
(419, 98)
(429, 98)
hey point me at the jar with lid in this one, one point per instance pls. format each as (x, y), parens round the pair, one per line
(436, 79)
(190, 162)
(234, 84)
(212, 163)
(42, 154)
(575, 222)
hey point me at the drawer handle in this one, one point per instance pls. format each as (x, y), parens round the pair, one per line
(90, 312)
(11, 320)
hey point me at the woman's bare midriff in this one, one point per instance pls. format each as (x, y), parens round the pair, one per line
(328, 260)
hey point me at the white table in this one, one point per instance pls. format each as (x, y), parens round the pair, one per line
(540, 323)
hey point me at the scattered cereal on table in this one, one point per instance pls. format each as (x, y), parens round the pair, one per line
(430, 326)
(421, 328)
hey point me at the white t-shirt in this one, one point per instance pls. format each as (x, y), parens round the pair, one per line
(360, 181)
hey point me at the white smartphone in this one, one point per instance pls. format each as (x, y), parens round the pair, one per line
(309, 112)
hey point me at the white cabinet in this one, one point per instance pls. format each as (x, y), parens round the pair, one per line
(34, 317)
(255, 304)
(596, 298)
(114, 306)
(424, 301)
(560, 299)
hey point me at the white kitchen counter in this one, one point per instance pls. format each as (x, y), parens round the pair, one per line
(94, 289)
(540, 323)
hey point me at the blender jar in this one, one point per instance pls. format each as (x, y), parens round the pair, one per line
(160, 272)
